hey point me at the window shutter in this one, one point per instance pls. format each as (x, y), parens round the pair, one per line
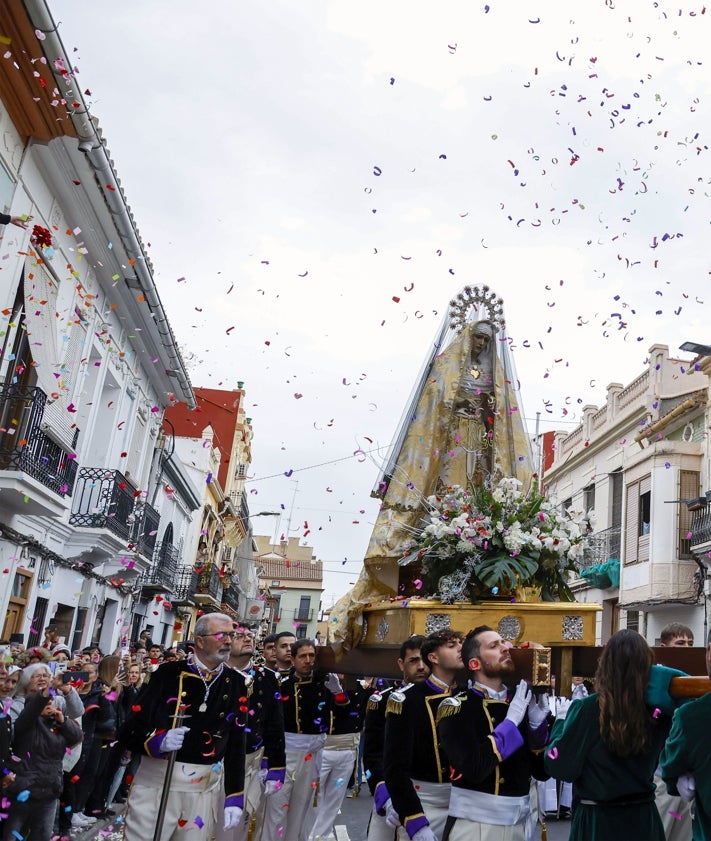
(689, 484)
(632, 523)
(645, 485)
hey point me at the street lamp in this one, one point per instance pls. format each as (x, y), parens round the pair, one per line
(695, 347)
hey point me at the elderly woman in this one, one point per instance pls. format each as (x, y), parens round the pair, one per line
(38, 678)
(42, 734)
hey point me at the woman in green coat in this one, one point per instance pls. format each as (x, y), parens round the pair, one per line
(608, 746)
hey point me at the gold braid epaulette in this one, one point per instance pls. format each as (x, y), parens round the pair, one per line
(395, 702)
(374, 701)
(448, 707)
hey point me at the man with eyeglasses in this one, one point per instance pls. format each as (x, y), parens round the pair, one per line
(263, 720)
(416, 769)
(494, 740)
(190, 708)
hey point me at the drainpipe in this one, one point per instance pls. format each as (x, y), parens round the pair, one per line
(90, 143)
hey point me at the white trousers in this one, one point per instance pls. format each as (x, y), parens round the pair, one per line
(378, 829)
(190, 812)
(289, 814)
(337, 765)
(434, 798)
(253, 796)
(674, 811)
(464, 830)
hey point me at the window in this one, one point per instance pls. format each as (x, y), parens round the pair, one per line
(276, 583)
(304, 612)
(689, 488)
(589, 497)
(301, 632)
(633, 620)
(638, 521)
(565, 505)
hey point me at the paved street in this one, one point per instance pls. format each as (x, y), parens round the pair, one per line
(351, 825)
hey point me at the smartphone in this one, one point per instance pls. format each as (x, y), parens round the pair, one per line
(71, 677)
(139, 656)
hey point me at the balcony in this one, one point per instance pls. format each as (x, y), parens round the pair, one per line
(603, 546)
(230, 598)
(162, 575)
(303, 615)
(208, 587)
(145, 528)
(184, 585)
(29, 454)
(105, 500)
(700, 540)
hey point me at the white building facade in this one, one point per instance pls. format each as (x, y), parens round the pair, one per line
(88, 361)
(640, 461)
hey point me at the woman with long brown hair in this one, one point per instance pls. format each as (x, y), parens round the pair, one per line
(608, 745)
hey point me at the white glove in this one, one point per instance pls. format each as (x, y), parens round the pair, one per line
(270, 786)
(519, 703)
(333, 684)
(579, 691)
(391, 816)
(537, 711)
(263, 775)
(563, 706)
(424, 834)
(173, 739)
(686, 786)
(233, 815)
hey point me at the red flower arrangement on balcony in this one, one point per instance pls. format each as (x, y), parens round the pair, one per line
(41, 237)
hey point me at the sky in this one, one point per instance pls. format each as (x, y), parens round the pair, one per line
(315, 181)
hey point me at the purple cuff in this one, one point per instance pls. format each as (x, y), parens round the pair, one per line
(380, 798)
(278, 774)
(153, 744)
(538, 738)
(414, 825)
(507, 738)
(235, 800)
(265, 763)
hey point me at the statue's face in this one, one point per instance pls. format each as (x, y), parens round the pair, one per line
(479, 342)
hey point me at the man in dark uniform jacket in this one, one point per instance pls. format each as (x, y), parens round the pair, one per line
(413, 670)
(263, 721)
(494, 740)
(309, 697)
(416, 770)
(209, 694)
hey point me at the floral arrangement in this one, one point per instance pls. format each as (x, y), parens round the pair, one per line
(41, 237)
(493, 539)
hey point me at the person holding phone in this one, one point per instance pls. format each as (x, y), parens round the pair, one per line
(42, 734)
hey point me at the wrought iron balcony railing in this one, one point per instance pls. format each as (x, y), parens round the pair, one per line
(603, 546)
(163, 573)
(700, 527)
(230, 597)
(303, 615)
(208, 582)
(185, 583)
(105, 499)
(145, 528)
(25, 447)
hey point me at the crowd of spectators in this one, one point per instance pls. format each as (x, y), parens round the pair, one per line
(62, 768)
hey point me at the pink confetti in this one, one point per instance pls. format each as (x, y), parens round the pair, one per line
(418, 584)
(675, 815)
(553, 753)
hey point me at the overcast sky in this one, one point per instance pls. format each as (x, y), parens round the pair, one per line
(297, 167)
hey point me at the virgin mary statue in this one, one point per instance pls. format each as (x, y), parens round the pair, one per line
(463, 425)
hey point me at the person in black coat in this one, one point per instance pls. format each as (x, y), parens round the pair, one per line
(41, 737)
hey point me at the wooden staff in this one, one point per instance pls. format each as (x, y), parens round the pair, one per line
(178, 719)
